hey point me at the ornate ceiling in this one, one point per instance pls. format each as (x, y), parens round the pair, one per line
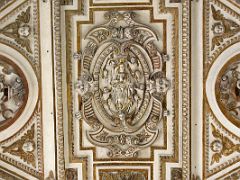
(119, 90)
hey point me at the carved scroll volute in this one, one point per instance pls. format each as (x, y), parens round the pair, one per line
(122, 85)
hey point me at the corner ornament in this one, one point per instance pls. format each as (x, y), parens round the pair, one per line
(20, 30)
(123, 85)
(223, 28)
(24, 147)
(222, 146)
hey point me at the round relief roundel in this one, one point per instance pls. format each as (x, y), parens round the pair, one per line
(13, 92)
(228, 90)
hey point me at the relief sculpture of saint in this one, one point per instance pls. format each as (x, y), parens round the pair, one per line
(123, 85)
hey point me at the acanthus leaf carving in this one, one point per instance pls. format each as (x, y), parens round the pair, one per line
(223, 28)
(122, 85)
(221, 146)
(20, 30)
(24, 147)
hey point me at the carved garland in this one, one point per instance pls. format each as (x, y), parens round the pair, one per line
(122, 85)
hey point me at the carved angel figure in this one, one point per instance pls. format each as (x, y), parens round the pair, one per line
(84, 85)
(119, 84)
(223, 28)
(159, 85)
(19, 30)
(222, 146)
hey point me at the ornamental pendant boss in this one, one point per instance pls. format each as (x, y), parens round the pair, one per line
(122, 85)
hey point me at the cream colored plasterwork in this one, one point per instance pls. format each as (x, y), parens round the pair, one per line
(81, 81)
(21, 141)
(221, 134)
(122, 85)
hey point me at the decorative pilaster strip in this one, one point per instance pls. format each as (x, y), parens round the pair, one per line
(58, 90)
(186, 88)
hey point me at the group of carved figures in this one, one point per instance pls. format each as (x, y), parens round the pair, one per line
(122, 81)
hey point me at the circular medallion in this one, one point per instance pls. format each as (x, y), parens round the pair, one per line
(13, 92)
(228, 90)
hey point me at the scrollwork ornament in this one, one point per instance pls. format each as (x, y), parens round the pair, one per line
(24, 147)
(20, 30)
(122, 85)
(221, 146)
(222, 28)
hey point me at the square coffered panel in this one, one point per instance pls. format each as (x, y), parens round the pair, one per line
(123, 62)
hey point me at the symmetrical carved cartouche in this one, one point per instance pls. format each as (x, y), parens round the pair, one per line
(24, 147)
(13, 92)
(19, 30)
(221, 146)
(122, 85)
(223, 28)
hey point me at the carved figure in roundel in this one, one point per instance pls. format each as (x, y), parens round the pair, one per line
(122, 85)
(13, 92)
(228, 90)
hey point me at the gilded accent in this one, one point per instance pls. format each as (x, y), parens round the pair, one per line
(221, 146)
(176, 173)
(24, 147)
(71, 174)
(13, 92)
(123, 174)
(210, 56)
(124, 87)
(186, 88)
(174, 35)
(34, 60)
(19, 30)
(58, 91)
(142, 168)
(223, 28)
(228, 90)
(66, 2)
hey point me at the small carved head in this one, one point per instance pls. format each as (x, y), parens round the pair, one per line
(24, 30)
(216, 146)
(218, 28)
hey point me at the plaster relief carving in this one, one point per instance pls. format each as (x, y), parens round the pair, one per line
(13, 92)
(222, 146)
(24, 147)
(122, 85)
(123, 175)
(222, 28)
(228, 90)
(19, 30)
